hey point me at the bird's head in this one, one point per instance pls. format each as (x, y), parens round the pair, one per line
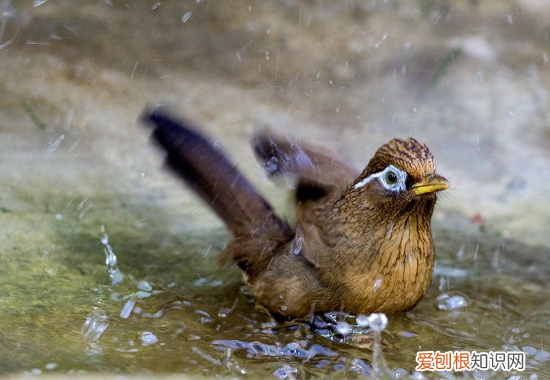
(400, 172)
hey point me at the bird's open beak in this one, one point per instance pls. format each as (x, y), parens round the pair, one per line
(432, 184)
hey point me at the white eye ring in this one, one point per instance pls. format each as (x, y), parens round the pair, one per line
(399, 183)
(396, 187)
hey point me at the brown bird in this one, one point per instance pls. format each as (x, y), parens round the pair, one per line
(362, 241)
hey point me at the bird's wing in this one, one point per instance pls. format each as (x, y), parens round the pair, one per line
(317, 171)
(318, 231)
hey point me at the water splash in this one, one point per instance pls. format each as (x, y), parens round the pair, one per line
(344, 328)
(232, 364)
(451, 301)
(95, 325)
(362, 320)
(110, 259)
(378, 323)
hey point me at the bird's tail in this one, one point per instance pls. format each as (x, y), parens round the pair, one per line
(210, 174)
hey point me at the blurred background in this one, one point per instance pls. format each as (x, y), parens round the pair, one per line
(80, 184)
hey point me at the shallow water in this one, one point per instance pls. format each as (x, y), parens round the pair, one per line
(75, 169)
(205, 322)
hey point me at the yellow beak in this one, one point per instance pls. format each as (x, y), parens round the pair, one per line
(432, 184)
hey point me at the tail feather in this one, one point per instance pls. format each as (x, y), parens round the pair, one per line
(210, 174)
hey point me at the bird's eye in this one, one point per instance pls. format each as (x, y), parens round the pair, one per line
(391, 178)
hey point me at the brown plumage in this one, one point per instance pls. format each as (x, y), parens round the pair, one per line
(361, 243)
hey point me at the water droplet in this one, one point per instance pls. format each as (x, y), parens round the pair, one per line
(298, 245)
(116, 276)
(343, 328)
(145, 286)
(384, 38)
(110, 259)
(148, 338)
(127, 308)
(378, 321)
(54, 144)
(95, 325)
(451, 301)
(362, 320)
(186, 16)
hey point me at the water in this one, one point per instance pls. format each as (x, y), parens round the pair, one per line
(105, 269)
(378, 323)
(186, 16)
(451, 301)
(95, 325)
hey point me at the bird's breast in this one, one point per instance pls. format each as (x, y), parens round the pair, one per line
(390, 276)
